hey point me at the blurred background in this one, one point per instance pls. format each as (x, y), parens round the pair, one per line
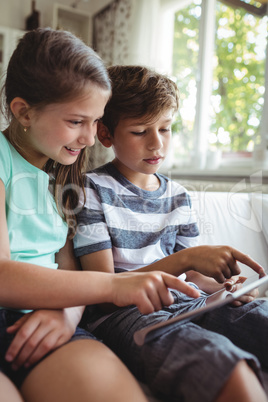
(216, 52)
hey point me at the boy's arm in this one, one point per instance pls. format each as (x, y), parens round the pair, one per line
(218, 262)
(66, 259)
(209, 285)
(207, 266)
(103, 261)
(99, 261)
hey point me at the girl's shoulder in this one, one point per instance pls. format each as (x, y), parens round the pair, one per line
(4, 142)
(5, 158)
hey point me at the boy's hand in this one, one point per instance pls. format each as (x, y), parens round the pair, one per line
(220, 262)
(148, 291)
(40, 332)
(235, 283)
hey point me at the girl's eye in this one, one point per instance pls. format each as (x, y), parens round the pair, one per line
(75, 122)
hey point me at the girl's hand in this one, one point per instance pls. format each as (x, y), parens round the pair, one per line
(219, 262)
(39, 333)
(148, 291)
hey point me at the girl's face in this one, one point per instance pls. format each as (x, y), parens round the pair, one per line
(61, 130)
(140, 148)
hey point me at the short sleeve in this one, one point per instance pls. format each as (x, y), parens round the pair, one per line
(188, 234)
(5, 160)
(92, 231)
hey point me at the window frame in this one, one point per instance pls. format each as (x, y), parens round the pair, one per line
(230, 166)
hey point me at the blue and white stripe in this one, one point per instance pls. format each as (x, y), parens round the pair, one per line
(140, 226)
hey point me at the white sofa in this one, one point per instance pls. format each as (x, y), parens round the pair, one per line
(236, 219)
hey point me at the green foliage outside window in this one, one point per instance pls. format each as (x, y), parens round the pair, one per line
(185, 70)
(238, 76)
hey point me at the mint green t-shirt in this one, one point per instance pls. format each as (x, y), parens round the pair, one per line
(36, 230)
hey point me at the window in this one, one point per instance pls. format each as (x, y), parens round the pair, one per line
(8, 40)
(219, 64)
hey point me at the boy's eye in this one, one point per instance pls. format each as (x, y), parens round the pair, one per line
(165, 130)
(138, 132)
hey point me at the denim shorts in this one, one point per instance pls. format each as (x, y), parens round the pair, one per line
(9, 317)
(192, 360)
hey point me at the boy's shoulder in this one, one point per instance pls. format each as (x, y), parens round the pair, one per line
(101, 176)
(103, 170)
(98, 171)
(109, 177)
(172, 183)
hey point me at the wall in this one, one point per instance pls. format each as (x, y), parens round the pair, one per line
(14, 12)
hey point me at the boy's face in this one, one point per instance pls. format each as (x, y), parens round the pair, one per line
(140, 148)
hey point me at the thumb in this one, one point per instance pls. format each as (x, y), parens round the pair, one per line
(17, 325)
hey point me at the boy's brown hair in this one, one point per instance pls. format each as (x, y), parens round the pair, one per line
(138, 92)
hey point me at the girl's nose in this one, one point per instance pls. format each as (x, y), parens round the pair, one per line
(88, 136)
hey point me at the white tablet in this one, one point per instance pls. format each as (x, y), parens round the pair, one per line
(215, 300)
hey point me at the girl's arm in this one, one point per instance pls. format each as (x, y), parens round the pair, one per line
(28, 286)
(42, 331)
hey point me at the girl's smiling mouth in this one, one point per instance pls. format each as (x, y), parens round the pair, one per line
(73, 151)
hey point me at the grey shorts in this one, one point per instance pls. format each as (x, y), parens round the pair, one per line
(7, 318)
(191, 361)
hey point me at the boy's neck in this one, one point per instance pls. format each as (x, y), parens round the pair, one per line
(147, 182)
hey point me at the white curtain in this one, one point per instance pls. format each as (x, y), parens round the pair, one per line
(110, 39)
(131, 32)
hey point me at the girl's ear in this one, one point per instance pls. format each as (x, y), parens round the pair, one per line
(20, 108)
(104, 135)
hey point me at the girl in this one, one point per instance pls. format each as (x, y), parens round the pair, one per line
(55, 92)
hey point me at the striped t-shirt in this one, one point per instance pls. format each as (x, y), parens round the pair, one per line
(139, 226)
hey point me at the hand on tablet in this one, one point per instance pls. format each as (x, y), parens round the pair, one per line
(235, 283)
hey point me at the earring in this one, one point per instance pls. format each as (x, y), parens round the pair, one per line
(25, 129)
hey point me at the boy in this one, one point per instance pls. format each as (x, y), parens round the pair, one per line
(136, 219)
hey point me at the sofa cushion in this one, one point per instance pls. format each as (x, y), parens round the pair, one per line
(229, 218)
(259, 204)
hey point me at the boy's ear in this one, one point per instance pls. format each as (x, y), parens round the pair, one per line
(104, 135)
(19, 107)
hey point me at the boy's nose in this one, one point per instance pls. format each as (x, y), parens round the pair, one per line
(155, 141)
